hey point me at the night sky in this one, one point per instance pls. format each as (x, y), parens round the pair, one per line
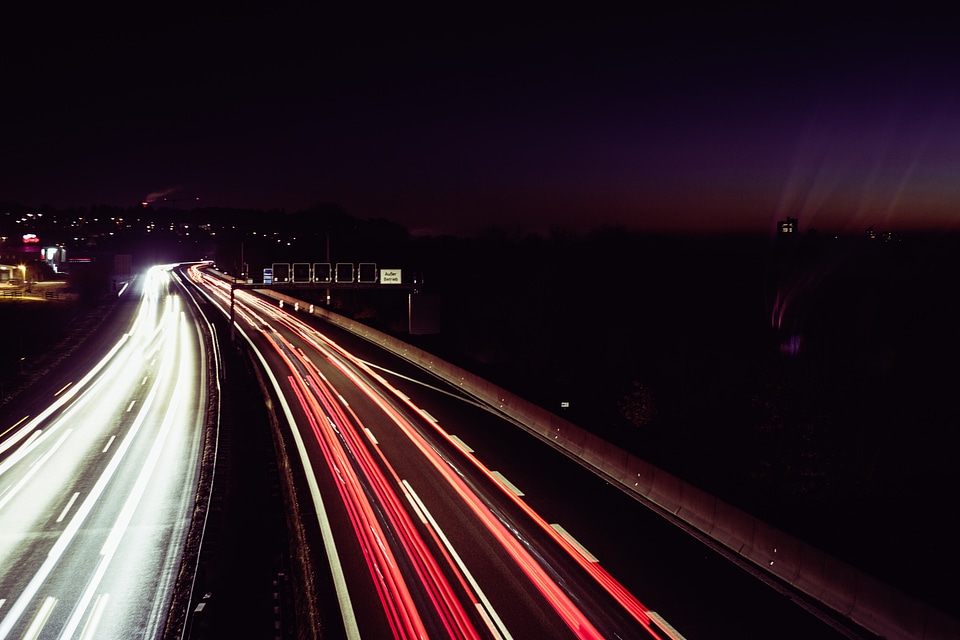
(453, 119)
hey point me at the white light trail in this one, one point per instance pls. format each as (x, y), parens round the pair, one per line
(126, 515)
(62, 400)
(36, 466)
(168, 400)
(73, 527)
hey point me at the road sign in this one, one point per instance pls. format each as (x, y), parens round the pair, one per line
(301, 272)
(268, 276)
(281, 272)
(322, 272)
(367, 272)
(344, 272)
(390, 276)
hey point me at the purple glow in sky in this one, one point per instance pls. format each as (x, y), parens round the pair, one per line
(685, 120)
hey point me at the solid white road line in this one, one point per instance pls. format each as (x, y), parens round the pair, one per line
(490, 616)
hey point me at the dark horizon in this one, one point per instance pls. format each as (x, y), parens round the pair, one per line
(20, 218)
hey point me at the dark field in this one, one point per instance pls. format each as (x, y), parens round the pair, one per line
(812, 383)
(34, 332)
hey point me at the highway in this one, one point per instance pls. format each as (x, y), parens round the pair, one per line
(97, 484)
(436, 517)
(480, 531)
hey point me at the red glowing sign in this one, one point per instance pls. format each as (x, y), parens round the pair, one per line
(30, 238)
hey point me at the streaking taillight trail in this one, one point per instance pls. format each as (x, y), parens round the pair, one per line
(560, 600)
(377, 513)
(410, 565)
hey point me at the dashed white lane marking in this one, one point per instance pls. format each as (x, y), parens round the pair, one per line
(460, 443)
(569, 538)
(66, 509)
(40, 620)
(509, 485)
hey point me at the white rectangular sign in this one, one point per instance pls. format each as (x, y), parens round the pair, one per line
(390, 276)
